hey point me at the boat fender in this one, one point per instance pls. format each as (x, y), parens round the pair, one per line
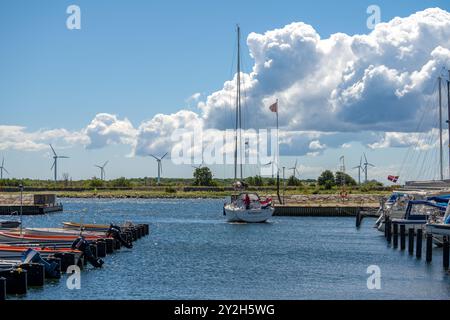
(82, 245)
(32, 256)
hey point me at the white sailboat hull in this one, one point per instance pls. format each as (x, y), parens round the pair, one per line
(237, 214)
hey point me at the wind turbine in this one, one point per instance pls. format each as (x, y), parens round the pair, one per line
(55, 162)
(294, 169)
(2, 168)
(366, 166)
(102, 170)
(360, 167)
(158, 160)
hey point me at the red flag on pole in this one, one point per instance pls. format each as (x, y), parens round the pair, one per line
(394, 179)
(274, 107)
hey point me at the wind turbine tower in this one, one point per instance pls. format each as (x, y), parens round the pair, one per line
(159, 161)
(360, 167)
(55, 162)
(366, 167)
(102, 170)
(2, 168)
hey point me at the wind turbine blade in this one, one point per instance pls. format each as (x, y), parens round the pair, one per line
(63, 157)
(5, 170)
(296, 162)
(104, 165)
(164, 155)
(365, 157)
(3, 162)
(153, 156)
(53, 150)
(53, 165)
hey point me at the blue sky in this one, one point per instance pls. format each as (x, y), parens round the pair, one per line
(135, 59)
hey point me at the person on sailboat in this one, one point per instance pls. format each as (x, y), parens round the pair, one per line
(247, 201)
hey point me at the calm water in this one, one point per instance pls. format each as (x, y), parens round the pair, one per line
(192, 253)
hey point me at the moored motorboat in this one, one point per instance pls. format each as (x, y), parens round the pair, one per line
(8, 252)
(55, 232)
(418, 212)
(11, 237)
(87, 227)
(9, 224)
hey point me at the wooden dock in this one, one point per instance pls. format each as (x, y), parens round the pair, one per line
(29, 210)
(32, 204)
(324, 211)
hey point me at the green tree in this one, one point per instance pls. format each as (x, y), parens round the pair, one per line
(203, 177)
(250, 181)
(121, 182)
(326, 180)
(95, 183)
(293, 182)
(271, 182)
(342, 178)
(258, 181)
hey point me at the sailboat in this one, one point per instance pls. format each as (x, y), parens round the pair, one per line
(245, 207)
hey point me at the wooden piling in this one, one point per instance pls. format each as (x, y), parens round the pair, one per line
(395, 235)
(411, 241)
(419, 244)
(35, 274)
(429, 249)
(109, 245)
(67, 260)
(445, 253)
(358, 219)
(386, 219)
(389, 231)
(93, 248)
(402, 237)
(101, 249)
(2, 289)
(16, 281)
(117, 244)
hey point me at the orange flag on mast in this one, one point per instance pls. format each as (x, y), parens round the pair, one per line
(274, 107)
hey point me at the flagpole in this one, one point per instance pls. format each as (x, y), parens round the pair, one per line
(278, 143)
(278, 159)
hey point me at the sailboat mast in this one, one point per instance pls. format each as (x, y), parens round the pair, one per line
(238, 111)
(448, 121)
(239, 97)
(441, 154)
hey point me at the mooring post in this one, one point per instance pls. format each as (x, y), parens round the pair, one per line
(395, 235)
(411, 241)
(389, 231)
(429, 247)
(101, 248)
(419, 244)
(402, 237)
(445, 253)
(2, 289)
(386, 219)
(358, 219)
